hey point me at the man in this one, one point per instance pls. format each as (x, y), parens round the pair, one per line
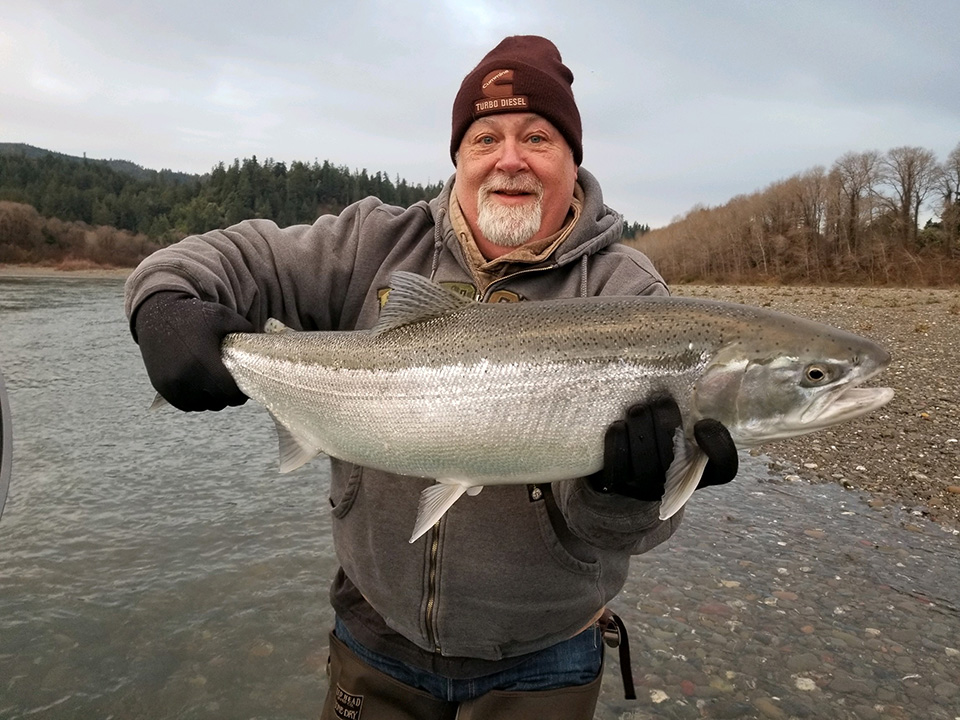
(493, 614)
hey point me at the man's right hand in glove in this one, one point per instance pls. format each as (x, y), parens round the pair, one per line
(179, 337)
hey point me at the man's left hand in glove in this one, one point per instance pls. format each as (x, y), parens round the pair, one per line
(639, 449)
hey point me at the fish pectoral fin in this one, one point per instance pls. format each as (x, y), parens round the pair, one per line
(293, 451)
(434, 502)
(683, 475)
(159, 401)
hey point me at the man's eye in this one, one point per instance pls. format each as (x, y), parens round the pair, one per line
(486, 140)
(536, 139)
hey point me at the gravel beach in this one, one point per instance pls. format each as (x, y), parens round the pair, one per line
(907, 454)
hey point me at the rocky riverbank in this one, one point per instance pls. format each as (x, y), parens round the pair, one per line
(908, 453)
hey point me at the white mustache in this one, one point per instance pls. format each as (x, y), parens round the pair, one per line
(507, 183)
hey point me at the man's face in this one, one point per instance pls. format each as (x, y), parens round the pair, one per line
(515, 180)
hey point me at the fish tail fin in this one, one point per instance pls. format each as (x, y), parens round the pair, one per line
(434, 502)
(683, 475)
(293, 451)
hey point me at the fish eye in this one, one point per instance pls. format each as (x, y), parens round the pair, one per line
(816, 374)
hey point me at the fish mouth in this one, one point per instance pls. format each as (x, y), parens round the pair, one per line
(847, 404)
(852, 399)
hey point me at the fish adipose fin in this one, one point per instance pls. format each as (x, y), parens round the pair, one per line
(683, 475)
(414, 298)
(274, 327)
(434, 502)
(293, 451)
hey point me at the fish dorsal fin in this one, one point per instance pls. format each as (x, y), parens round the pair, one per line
(683, 475)
(293, 451)
(414, 298)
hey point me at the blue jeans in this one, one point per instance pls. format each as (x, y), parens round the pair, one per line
(576, 661)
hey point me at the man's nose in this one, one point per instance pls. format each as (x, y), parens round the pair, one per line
(512, 157)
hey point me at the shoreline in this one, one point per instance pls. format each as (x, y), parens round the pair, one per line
(47, 271)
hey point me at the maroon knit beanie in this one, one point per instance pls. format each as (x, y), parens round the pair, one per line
(524, 73)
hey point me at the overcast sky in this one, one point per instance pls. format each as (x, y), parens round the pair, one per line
(683, 102)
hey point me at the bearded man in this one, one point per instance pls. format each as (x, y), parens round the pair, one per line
(494, 612)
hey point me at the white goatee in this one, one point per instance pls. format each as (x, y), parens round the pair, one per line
(509, 225)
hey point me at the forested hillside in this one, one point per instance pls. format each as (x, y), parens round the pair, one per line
(166, 205)
(858, 223)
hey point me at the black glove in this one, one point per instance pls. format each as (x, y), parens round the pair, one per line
(639, 449)
(179, 338)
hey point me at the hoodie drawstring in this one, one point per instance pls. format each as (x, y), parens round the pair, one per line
(437, 243)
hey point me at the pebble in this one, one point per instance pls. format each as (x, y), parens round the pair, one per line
(769, 709)
(261, 649)
(946, 690)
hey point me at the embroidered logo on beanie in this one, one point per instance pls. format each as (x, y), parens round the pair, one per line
(497, 89)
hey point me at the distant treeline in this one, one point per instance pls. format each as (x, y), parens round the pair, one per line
(858, 223)
(167, 206)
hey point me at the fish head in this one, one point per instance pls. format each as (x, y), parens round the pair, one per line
(790, 380)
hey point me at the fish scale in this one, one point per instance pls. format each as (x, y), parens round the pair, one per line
(481, 394)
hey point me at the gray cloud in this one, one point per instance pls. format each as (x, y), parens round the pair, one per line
(683, 103)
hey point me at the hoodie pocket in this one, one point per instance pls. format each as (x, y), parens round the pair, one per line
(568, 552)
(344, 487)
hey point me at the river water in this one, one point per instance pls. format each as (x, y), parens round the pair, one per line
(156, 565)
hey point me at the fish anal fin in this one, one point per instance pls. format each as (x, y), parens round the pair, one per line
(414, 298)
(683, 475)
(434, 502)
(293, 451)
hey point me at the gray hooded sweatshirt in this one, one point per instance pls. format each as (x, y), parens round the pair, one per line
(508, 572)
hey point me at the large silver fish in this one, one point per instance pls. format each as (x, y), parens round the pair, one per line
(479, 394)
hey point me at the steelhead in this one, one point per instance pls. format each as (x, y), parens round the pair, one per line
(476, 394)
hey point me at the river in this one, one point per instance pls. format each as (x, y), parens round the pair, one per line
(154, 564)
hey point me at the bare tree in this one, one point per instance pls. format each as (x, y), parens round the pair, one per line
(812, 196)
(950, 195)
(911, 174)
(857, 175)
